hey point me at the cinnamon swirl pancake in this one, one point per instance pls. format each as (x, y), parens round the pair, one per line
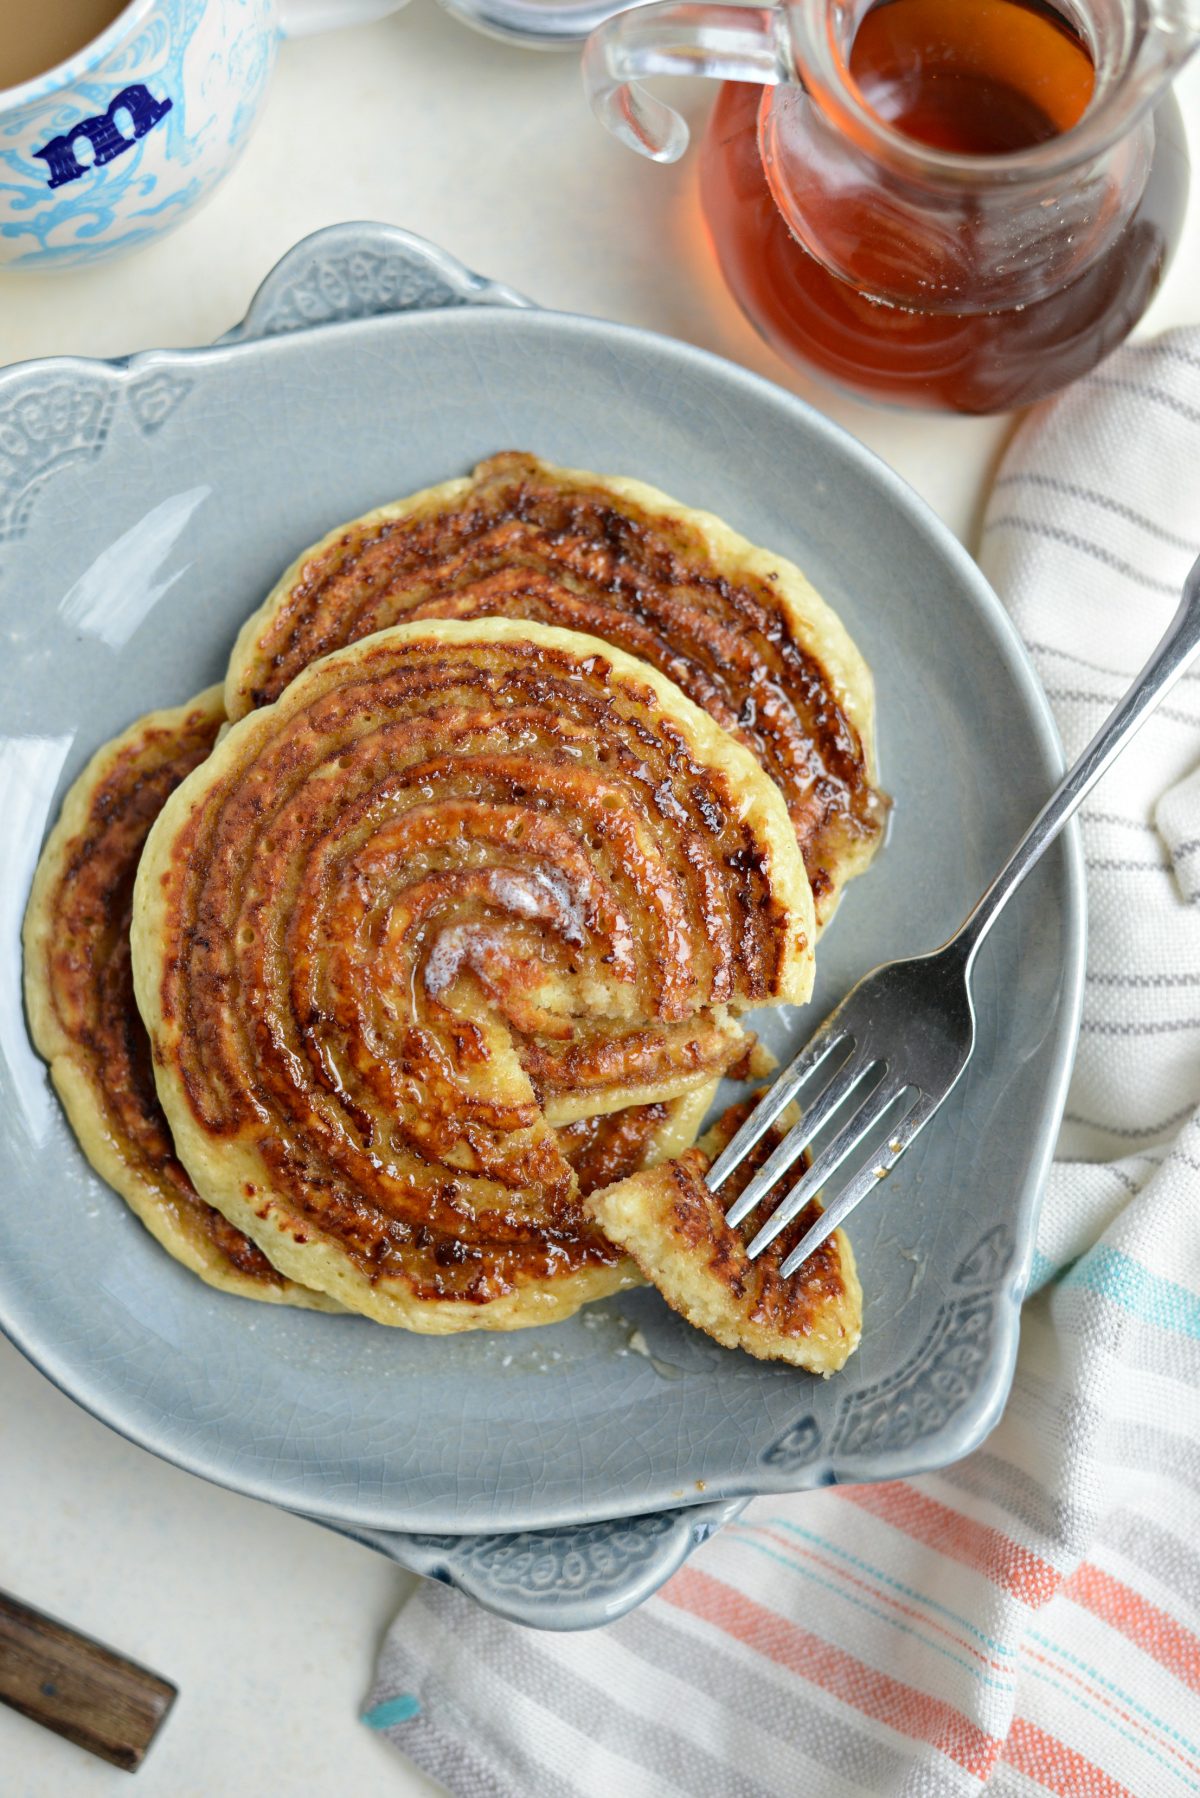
(742, 632)
(79, 995)
(372, 928)
(676, 1231)
(85, 1021)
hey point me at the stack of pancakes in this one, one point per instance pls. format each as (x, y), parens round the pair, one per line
(397, 975)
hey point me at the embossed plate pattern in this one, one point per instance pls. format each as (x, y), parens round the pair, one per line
(144, 509)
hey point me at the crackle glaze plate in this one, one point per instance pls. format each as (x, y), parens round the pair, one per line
(145, 508)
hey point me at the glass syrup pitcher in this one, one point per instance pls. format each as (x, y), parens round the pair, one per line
(961, 204)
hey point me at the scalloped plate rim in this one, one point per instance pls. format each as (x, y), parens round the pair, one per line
(938, 1448)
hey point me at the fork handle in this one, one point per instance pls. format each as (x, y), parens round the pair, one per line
(1170, 660)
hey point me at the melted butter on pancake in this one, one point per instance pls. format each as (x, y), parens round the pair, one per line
(742, 632)
(369, 929)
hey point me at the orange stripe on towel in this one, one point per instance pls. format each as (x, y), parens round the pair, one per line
(1052, 1764)
(1017, 1570)
(1141, 1622)
(877, 1695)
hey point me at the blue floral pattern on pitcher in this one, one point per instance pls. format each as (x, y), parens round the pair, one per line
(120, 143)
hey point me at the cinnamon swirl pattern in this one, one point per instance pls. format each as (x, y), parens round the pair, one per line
(676, 1231)
(85, 1021)
(79, 995)
(741, 631)
(372, 929)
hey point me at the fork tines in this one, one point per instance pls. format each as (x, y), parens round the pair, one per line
(849, 1073)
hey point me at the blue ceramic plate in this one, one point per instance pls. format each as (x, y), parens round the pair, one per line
(145, 507)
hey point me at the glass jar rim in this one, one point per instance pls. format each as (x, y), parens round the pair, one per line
(823, 72)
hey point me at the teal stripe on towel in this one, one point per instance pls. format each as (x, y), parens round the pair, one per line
(1042, 1270)
(1127, 1283)
(400, 1709)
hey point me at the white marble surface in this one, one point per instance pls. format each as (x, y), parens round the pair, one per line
(269, 1625)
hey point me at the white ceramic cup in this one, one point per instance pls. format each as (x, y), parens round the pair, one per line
(121, 141)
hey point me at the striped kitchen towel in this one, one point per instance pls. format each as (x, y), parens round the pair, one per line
(1028, 1620)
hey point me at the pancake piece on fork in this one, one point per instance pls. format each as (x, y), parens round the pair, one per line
(675, 1229)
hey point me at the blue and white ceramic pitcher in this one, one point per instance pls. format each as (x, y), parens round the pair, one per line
(123, 139)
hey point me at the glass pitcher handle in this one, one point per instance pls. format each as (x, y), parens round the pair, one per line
(674, 37)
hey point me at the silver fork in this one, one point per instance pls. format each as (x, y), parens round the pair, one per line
(900, 1039)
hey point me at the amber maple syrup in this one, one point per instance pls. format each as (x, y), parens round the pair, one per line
(983, 77)
(979, 78)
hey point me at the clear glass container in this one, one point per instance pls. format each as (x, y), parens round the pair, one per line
(904, 269)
